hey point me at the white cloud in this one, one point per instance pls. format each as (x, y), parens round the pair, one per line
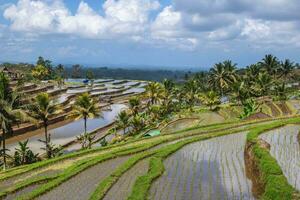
(127, 17)
(186, 24)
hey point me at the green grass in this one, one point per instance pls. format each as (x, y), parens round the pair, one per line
(143, 183)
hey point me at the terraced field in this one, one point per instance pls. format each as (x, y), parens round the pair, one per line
(211, 169)
(201, 161)
(286, 149)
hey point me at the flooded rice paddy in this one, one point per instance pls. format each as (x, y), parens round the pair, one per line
(122, 188)
(286, 149)
(211, 169)
(68, 132)
(82, 185)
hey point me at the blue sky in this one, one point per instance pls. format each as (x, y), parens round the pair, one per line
(149, 33)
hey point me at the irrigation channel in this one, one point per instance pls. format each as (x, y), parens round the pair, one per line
(68, 132)
(284, 146)
(211, 169)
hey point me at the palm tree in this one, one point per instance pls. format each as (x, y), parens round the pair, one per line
(201, 80)
(122, 121)
(210, 99)
(280, 91)
(167, 95)
(153, 92)
(270, 64)
(137, 123)
(240, 91)
(286, 69)
(85, 107)
(222, 75)
(134, 105)
(262, 85)
(168, 85)
(42, 109)
(190, 91)
(252, 72)
(11, 112)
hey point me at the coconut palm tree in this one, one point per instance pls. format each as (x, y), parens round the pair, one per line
(252, 72)
(168, 85)
(230, 69)
(286, 68)
(240, 91)
(210, 99)
(262, 85)
(42, 109)
(85, 107)
(221, 77)
(122, 121)
(190, 90)
(153, 92)
(270, 64)
(11, 113)
(134, 105)
(137, 123)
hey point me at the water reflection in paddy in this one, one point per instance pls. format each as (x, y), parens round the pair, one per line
(68, 132)
(286, 149)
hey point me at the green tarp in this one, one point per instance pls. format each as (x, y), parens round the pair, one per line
(152, 133)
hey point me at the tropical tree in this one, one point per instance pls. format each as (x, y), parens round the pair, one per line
(286, 68)
(40, 72)
(270, 64)
(11, 113)
(134, 105)
(240, 91)
(280, 91)
(262, 85)
(122, 121)
(153, 93)
(249, 107)
(252, 72)
(190, 91)
(85, 107)
(23, 155)
(42, 108)
(137, 123)
(210, 99)
(60, 70)
(201, 79)
(222, 75)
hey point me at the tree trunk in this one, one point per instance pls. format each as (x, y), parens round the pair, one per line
(46, 139)
(85, 121)
(4, 149)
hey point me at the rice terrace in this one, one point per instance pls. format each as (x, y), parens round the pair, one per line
(149, 100)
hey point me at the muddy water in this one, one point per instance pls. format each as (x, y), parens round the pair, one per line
(68, 132)
(211, 169)
(286, 149)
